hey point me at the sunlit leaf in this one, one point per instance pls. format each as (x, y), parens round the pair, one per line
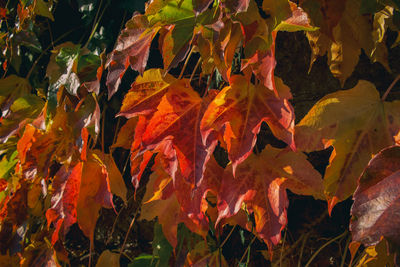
(238, 111)
(357, 124)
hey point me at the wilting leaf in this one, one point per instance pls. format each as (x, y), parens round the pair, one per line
(357, 124)
(261, 182)
(277, 10)
(238, 111)
(376, 200)
(94, 193)
(79, 194)
(117, 184)
(176, 44)
(298, 21)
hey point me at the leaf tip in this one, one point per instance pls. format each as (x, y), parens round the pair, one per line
(332, 203)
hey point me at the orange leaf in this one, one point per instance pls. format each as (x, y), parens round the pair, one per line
(260, 183)
(238, 111)
(63, 213)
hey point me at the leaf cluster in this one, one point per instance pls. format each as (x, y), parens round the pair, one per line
(187, 128)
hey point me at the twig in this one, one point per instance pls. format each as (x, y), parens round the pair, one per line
(47, 48)
(323, 246)
(390, 87)
(129, 229)
(227, 237)
(346, 248)
(248, 247)
(186, 62)
(302, 249)
(194, 70)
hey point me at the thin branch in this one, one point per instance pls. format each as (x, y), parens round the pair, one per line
(323, 246)
(390, 87)
(186, 62)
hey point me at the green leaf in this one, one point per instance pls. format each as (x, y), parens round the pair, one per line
(42, 8)
(7, 164)
(161, 247)
(144, 260)
(172, 12)
(66, 60)
(21, 111)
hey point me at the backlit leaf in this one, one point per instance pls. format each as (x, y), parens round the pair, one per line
(63, 213)
(238, 111)
(260, 183)
(357, 124)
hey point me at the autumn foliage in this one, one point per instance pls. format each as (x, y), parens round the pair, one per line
(189, 130)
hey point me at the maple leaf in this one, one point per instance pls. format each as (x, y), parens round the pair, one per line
(132, 49)
(260, 183)
(238, 111)
(376, 200)
(357, 123)
(178, 107)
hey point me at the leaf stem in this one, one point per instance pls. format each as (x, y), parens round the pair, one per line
(129, 229)
(390, 87)
(323, 246)
(194, 70)
(346, 248)
(247, 249)
(227, 237)
(186, 62)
